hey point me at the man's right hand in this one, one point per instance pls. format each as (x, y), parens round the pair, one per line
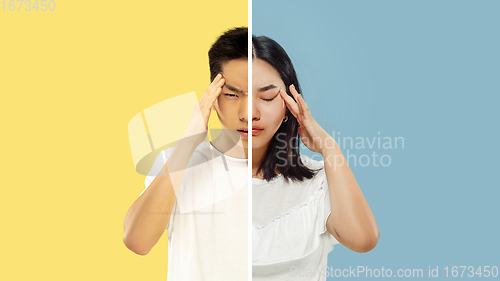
(198, 125)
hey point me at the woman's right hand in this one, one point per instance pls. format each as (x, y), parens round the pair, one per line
(198, 125)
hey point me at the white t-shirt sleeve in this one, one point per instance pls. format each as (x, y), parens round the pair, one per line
(160, 161)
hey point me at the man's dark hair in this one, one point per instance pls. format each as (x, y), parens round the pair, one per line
(233, 44)
(283, 150)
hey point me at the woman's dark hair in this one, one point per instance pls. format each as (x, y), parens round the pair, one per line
(231, 45)
(284, 158)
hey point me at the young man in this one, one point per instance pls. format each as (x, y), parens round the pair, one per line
(198, 190)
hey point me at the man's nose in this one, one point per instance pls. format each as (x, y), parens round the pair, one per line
(243, 110)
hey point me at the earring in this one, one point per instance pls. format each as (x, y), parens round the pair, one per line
(286, 119)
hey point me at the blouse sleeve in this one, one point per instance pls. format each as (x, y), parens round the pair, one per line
(325, 208)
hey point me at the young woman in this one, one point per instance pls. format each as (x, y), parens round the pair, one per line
(301, 207)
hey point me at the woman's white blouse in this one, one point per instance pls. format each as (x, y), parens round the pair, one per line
(289, 236)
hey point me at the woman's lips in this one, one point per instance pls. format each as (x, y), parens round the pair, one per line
(256, 131)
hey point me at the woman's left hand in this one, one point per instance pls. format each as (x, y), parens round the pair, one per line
(312, 134)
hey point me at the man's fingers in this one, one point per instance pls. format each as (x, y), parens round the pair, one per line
(215, 81)
(221, 83)
(218, 90)
(213, 90)
(207, 101)
(217, 84)
(214, 96)
(217, 78)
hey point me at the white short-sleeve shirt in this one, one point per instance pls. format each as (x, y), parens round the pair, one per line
(289, 236)
(208, 228)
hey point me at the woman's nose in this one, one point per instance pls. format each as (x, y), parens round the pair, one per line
(255, 112)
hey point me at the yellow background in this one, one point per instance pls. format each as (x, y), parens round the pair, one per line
(70, 81)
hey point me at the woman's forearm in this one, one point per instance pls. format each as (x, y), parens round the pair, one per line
(351, 217)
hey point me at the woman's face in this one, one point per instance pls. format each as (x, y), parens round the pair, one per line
(268, 108)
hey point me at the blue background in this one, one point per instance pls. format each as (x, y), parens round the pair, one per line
(427, 71)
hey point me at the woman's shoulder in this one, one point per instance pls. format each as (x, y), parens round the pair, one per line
(301, 190)
(315, 162)
(288, 220)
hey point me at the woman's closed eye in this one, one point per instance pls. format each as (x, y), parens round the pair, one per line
(231, 95)
(270, 99)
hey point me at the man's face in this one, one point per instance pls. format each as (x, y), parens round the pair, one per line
(232, 105)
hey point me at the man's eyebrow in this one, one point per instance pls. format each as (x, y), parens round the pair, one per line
(268, 87)
(233, 89)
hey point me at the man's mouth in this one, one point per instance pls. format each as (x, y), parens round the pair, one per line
(243, 133)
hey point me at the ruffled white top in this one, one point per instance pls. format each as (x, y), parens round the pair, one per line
(289, 236)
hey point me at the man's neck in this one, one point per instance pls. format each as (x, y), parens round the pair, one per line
(227, 146)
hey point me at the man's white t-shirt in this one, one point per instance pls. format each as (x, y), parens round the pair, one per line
(208, 228)
(289, 236)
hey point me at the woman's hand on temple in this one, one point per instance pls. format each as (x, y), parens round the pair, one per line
(312, 134)
(198, 125)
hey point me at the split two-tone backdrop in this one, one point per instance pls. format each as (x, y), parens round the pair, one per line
(408, 88)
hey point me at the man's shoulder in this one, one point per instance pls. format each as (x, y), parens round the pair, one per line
(203, 150)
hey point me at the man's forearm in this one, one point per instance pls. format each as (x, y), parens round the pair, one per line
(149, 215)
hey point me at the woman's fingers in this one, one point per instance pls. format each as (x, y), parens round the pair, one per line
(290, 103)
(307, 112)
(294, 92)
(297, 97)
(303, 108)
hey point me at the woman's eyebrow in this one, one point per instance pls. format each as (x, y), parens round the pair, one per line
(268, 87)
